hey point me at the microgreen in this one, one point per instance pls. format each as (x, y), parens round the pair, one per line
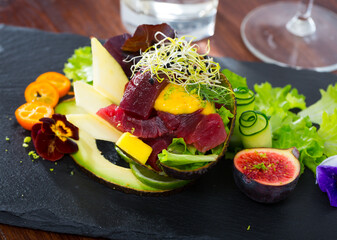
(178, 61)
(260, 166)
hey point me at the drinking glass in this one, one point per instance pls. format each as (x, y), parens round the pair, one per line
(188, 17)
(295, 34)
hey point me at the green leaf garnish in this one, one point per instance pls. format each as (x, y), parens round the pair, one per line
(235, 79)
(327, 103)
(79, 65)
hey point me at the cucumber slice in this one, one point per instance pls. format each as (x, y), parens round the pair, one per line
(255, 129)
(245, 101)
(156, 180)
(244, 96)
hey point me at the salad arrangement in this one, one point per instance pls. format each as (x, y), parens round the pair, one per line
(171, 112)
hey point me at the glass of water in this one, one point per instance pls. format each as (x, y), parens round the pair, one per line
(188, 17)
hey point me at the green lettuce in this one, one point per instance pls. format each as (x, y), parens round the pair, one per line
(276, 102)
(174, 159)
(185, 156)
(79, 65)
(328, 132)
(225, 115)
(327, 103)
(235, 80)
(302, 135)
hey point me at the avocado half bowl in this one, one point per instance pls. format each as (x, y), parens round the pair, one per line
(195, 173)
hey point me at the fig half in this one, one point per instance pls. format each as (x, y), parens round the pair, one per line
(267, 175)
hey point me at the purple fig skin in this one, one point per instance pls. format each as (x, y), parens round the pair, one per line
(264, 193)
(260, 192)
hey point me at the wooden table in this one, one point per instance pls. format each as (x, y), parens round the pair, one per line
(101, 18)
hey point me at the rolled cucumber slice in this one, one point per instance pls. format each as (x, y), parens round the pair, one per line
(245, 101)
(255, 129)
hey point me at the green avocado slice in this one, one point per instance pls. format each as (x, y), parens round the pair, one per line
(90, 159)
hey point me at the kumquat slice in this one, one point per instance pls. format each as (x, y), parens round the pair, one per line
(58, 80)
(42, 92)
(29, 113)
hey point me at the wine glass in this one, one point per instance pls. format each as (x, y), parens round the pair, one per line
(295, 34)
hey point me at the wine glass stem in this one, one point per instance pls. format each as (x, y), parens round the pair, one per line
(302, 24)
(305, 9)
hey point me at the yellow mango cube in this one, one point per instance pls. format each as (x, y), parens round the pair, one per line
(135, 147)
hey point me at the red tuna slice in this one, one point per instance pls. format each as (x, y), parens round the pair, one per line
(157, 144)
(209, 133)
(181, 125)
(140, 95)
(148, 128)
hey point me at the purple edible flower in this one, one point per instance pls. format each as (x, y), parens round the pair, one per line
(326, 175)
(52, 137)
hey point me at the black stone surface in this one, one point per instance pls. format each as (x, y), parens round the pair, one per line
(33, 196)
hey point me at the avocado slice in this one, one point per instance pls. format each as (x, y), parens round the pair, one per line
(68, 107)
(90, 159)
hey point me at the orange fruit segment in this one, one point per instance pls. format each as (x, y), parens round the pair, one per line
(58, 80)
(42, 92)
(30, 113)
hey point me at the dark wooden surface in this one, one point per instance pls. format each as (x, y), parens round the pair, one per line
(101, 18)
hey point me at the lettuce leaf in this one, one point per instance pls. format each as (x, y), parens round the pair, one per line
(79, 65)
(225, 115)
(235, 80)
(186, 157)
(328, 132)
(327, 103)
(276, 102)
(173, 159)
(302, 135)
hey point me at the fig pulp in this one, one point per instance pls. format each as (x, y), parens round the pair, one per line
(267, 175)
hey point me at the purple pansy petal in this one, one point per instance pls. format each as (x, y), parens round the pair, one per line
(49, 145)
(327, 182)
(59, 117)
(46, 123)
(35, 129)
(67, 146)
(74, 130)
(45, 147)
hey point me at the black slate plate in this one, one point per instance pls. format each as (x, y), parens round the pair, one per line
(33, 196)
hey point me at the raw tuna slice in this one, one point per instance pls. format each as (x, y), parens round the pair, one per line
(157, 144)
(209, 133)
(140, 95)
(181, 125)
(148, 128)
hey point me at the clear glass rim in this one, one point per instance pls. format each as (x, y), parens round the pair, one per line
(267, 59)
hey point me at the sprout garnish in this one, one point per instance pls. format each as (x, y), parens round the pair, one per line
(179, 61)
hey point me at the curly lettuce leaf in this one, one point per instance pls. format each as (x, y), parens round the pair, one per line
(328, 132)
(79, 65)
(327, 103)
(276, 102)
(225, 115)
(302, 135)
(235, 80)
(179, 146)
(186, 157)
